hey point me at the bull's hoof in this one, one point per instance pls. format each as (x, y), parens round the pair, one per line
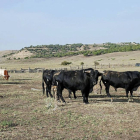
(87, 103)
(130, 100)
(63, 103)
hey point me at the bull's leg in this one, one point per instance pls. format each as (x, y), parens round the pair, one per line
(69, 94)
(74, 94)
(57, 96)
(86, 98)
(61, 97)
(107, 92)
(59, 92)
(49, 90)
(43, 87)
(131, 95)
(127, 91)
(83, 94)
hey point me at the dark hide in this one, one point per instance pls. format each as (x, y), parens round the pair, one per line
(129, 80)
(83, 80)
(47, 78)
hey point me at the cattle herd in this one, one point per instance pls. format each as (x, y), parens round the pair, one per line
(85, 79)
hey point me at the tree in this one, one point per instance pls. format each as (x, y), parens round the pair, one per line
(96, 63)
(82, 63)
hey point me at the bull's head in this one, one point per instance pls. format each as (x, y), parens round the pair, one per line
(6, 77)
(93, 75)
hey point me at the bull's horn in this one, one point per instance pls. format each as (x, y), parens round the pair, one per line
(101, 72)
(88, 71)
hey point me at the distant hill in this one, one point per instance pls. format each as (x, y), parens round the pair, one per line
(48, 51)
(6, 53)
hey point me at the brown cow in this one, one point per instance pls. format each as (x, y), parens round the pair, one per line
(4, 73)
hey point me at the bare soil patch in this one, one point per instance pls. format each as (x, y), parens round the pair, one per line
(22, 54)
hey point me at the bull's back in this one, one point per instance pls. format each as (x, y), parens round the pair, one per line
(117, 79)
(74, 80)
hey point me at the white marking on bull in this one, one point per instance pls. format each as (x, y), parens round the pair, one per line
(56, 83)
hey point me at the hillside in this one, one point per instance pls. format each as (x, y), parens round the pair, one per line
(25, 58)
(6, 53)
(125, 58)
(49, 51)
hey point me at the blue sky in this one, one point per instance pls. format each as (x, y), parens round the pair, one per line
(37, 22)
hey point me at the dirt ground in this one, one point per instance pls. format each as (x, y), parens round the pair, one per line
(25, 113)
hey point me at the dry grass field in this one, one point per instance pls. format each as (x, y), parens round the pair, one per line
(25, 113)
(127, 58)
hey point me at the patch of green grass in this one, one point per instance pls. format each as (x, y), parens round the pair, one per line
(5, 124)
(100, 60)
(121, 112)
(134, 130)
(50, 103)
(113, 58)
(119, 132)
(4, 111)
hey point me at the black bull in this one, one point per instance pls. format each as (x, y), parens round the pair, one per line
(47, 78)
(83, 80)
(129, 80)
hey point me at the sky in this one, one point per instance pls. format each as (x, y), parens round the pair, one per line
(42, 22)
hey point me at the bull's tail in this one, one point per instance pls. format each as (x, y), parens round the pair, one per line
(43, 88)
(100, 85)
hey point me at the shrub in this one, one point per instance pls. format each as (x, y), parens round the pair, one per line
(82, 63)
(96, 63)
(26, 57)
(65, 63)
